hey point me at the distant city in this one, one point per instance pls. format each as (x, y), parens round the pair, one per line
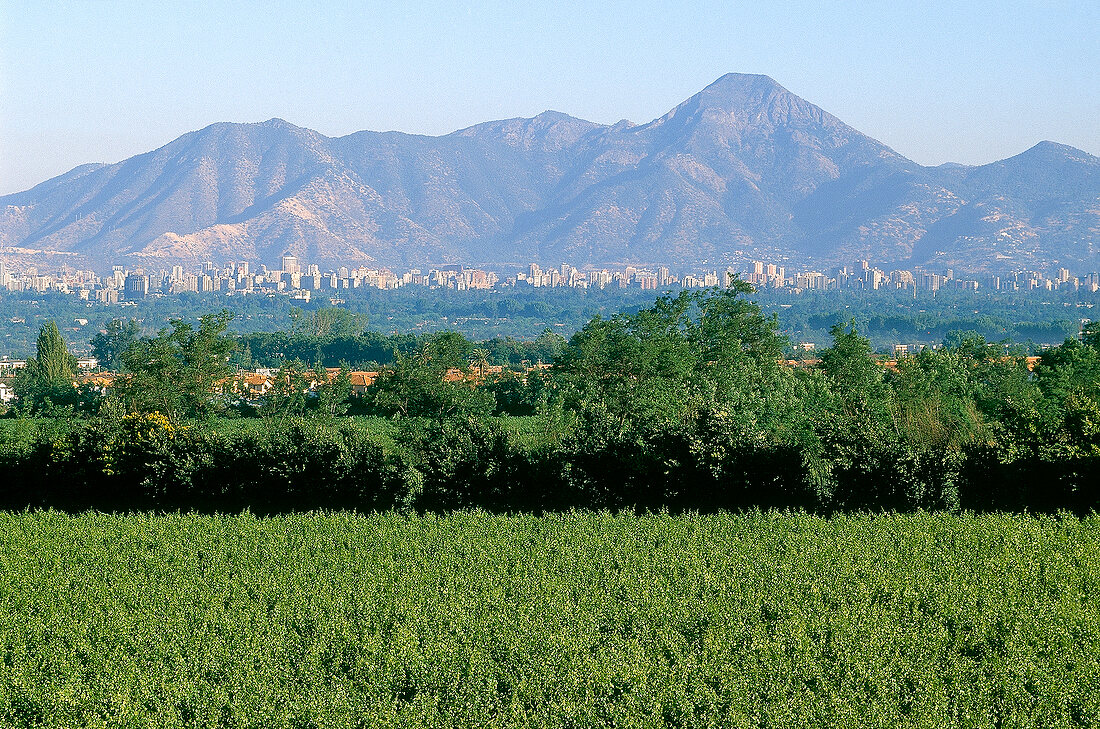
(303, 283)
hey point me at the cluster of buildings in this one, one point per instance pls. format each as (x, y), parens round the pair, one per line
(629, 276)
(866, 277)
(303, 283)
(242, 278)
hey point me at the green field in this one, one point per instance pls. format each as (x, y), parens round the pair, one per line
(575, 620)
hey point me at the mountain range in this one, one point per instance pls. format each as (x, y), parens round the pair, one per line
(742, 169)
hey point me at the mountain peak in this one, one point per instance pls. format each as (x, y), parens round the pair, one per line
(550, 116)
(760, 99)
(743, 90)
(548, 131)
(1047, 151)
(747, 100)
(744, 80)
(1048, 147)
(273, 124)
(280, 124)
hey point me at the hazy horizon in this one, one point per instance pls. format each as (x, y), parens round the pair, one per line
(103, 82)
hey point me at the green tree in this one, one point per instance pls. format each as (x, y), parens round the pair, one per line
(934, 399)
(854, 376)
(548, 346)
(182, 372)
(48, 379)
(850, 410)
(684, 402)
(479, 360)
(109, 344)
(1090, 334)
(446, 351)
(418, 384)
(333, 394)
(289, 389)
(1071, 367)
(699, 351)
(1069, 377)
(632, 367)
(518, 393)
(327, 323)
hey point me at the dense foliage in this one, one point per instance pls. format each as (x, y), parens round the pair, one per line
(562, 621)
(688, 404)
(109, 345)
(46, 382)
(178, 372)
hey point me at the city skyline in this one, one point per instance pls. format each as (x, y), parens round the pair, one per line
(302, 280)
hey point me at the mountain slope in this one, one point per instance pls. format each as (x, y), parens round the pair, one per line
(743, 168)
(1037, 209)
(726, 167)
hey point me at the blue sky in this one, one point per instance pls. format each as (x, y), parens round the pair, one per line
(966, 82)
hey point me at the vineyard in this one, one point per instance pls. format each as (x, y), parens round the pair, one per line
(569, 620)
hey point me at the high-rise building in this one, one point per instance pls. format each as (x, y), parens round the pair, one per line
(136, 287)
(290, 264)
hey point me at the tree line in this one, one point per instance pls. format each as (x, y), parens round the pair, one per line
(686, 404)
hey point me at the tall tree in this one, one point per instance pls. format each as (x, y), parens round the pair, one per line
(479, 359)
(288, 392)
(109, 344)
(180, 371)
(328, 322)
(48, 377)
(854, 375)
(418, 385)
(333, 393)
(665, 364)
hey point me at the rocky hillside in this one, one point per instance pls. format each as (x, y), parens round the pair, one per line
(743, 168)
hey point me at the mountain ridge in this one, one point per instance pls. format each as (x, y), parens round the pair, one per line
(744, 168)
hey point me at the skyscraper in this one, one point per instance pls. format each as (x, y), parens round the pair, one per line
(136, 286)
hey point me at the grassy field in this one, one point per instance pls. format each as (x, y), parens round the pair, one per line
(576, 620)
